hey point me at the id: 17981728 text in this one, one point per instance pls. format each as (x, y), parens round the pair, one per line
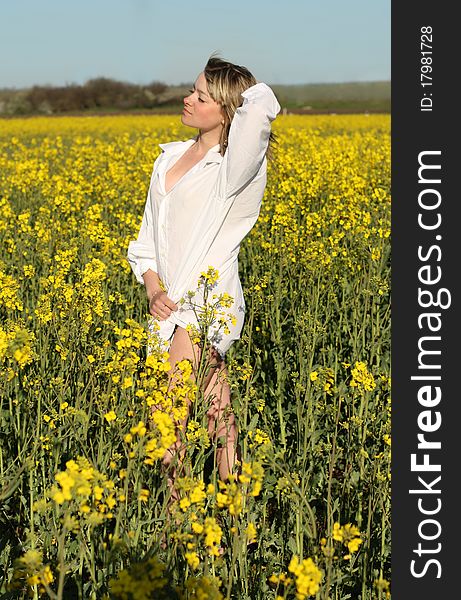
(426, 101)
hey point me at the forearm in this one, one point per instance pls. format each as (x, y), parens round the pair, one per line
(151, 282)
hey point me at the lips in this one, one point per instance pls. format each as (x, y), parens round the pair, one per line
(186, 111)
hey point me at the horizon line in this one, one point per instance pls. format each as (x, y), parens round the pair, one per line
(183, 84)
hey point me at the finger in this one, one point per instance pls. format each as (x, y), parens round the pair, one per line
(166, 304)
(155, 309)
(152, 310)
(162, 310)
(171, 305)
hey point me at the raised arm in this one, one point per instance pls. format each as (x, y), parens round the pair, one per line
(248, 138)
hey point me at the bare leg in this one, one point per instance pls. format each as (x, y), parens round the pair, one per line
(221, 418)
(181, 348)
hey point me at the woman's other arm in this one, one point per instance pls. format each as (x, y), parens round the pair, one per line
(142, 259)
(249, 136)
(141, 252)
(144, 264)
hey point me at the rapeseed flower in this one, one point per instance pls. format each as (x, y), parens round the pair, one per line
(204, 588)
(349, 535)
(307, 575)
(362, 379)
(110, 416)
(30, 568)
(141, 580)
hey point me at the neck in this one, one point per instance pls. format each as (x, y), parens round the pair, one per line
(207, 139)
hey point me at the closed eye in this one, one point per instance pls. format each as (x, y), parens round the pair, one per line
(199, 99)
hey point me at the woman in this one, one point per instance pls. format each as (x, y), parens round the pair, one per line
(204, 197)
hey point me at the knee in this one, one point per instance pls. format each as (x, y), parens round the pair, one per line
(229, 436)
(222, 424)
(220, 410)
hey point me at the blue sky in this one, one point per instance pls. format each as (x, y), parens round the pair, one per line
(60, 42)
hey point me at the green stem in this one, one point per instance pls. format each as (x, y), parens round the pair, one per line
(62, 566)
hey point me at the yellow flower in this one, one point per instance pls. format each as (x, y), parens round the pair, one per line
(127, 382)
(251, 532)
(31, 568)
(361, 378)
(349, 535)
(184, 503)
(209, 277)
(192, 559)
(337, 532)
(308, 576)
(213, 534)
(383, 585)
(139, 429)
(197, 527)
(143, 495)
(354, 544)
(197, 494)
(110, 416)
(98, 492)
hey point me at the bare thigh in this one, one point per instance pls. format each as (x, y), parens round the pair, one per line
(182, 348)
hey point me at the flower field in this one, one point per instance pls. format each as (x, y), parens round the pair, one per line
(83, 498)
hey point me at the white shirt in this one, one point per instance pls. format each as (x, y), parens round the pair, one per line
(204, 217)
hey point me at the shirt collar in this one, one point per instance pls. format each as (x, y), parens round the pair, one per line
(176, 147)
(171, 148)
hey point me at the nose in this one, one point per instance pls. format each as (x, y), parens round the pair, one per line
(187, 100)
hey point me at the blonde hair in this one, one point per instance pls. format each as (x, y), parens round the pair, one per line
(226, 81)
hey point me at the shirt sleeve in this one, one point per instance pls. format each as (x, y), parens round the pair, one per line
(141, 252)
(248, 138)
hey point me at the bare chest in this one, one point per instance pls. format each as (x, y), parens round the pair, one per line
(179, 168)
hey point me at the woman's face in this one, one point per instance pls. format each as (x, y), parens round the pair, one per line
(200, 110)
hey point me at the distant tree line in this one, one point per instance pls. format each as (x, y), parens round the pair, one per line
(96, 94)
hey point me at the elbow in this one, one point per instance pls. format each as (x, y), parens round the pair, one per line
(135, 267)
